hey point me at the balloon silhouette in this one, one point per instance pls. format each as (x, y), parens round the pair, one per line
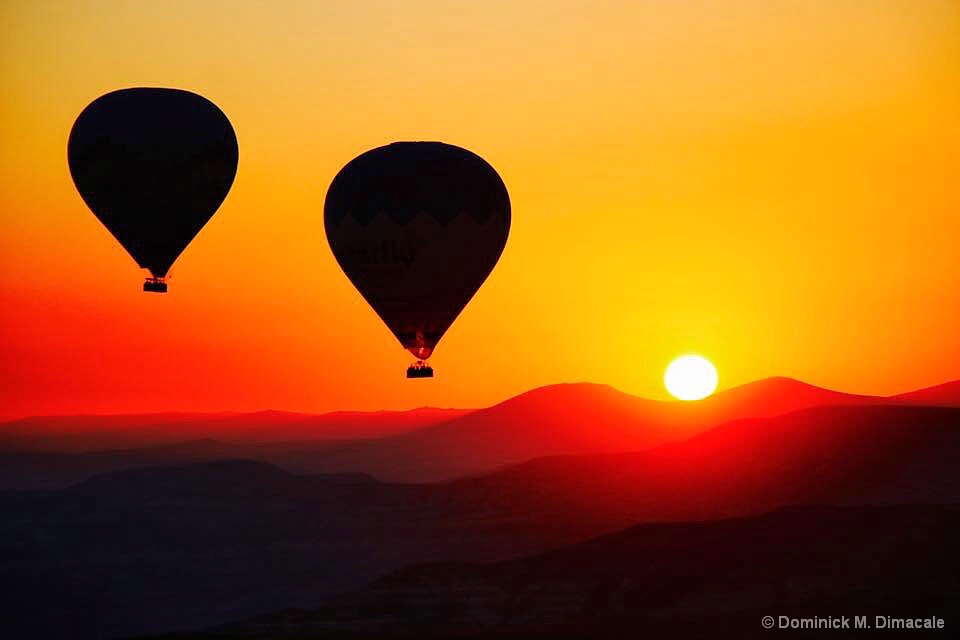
(417, 227)
(153, 165)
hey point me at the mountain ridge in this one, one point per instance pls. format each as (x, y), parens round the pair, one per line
(188, 546)
(568, 419)
(950, 388)
(422, 445)
(801, 561)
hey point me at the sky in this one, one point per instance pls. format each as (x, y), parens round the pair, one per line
(770, 184)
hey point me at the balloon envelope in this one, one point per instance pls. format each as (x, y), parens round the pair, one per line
(153, 165)
(417, 227)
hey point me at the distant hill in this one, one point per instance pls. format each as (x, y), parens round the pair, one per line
(28, 470)
(415, 446)
(149, 550)
(74, 434)
(678, 580)
(563, 419)
(172, 547)
(833, 455)
(945, 395)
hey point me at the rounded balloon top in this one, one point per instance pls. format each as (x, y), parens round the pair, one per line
(153, 165)
(403, 179)
(417, 227)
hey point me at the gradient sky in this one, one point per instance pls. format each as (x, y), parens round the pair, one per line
(771, 184)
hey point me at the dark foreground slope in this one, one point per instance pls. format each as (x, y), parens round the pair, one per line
(167, 548)
(678, 580)
(150, 550)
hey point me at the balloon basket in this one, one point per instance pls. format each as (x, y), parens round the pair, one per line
(420, 369)
(155, 285)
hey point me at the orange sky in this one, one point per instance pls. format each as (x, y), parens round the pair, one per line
(771, 184)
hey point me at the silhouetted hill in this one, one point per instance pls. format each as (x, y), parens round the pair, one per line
(564, 419)
(74, 434)
(44, 470)
(427, 445)
(678, 580)
(856, 454)
(164, 548)
(27, 470)
(946, 395)
(190, 546)
(771, 397)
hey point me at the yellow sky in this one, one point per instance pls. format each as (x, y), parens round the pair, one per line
(770, 184)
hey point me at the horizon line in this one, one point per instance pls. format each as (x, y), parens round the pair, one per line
(318, 414)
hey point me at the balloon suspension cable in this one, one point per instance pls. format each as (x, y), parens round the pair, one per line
(420, 369)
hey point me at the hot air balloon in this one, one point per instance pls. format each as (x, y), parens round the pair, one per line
(417, 227)
(153, 165)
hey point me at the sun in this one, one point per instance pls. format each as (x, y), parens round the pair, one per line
(690, 377)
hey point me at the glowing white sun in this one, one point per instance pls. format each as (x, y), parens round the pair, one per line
(690, 378)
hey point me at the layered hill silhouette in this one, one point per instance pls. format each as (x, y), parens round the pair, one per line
(93, 433)
(53, 452)
(883, 454)
(416, 446)
(944, 395)
(677, 580)
(567, 419)
(157, 549)
(30, 470)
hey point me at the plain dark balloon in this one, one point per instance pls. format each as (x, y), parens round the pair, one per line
(153, 165)
(417, 227)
